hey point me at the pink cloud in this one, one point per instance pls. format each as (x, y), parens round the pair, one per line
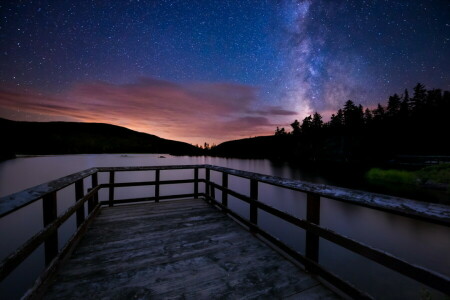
(196, 112)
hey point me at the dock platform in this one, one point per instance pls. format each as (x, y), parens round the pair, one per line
(180, 249)
(157, 246)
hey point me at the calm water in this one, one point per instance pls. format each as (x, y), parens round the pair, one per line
(415, 241)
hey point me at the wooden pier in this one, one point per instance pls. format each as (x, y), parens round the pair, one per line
(183, 249)
(196, 247)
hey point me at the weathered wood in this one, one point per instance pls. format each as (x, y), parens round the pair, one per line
(146, 183)
(312, 215)
(49, 210)
(430, 212)
(339, 283)
(146, 199)
(176, 253)
(195, 183)
(92, 202)
(39, 286)
(157, 175)
(207, 179)
(434, 213)
(428, 277)
(13, 202)
(224, 193)
(111, 188)
(435, 280)
(254, 200)
(79, 193)
(20, 254)
(213, 191)
(148, 168)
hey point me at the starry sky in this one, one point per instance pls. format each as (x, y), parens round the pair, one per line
(210, 71)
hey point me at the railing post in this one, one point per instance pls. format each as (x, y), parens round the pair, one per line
(254, 198)
(157, 185)
(224, 193)
(313, 216)
(111, 188)
(207, 179)
(92, 202)
(213, 192)
(79, 193)
(49, 211)
(195, 183)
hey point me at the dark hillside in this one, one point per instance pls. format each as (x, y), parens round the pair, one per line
(76, 138)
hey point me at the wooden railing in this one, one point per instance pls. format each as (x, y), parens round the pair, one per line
(432, 213)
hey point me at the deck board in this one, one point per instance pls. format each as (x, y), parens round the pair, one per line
(182, 249)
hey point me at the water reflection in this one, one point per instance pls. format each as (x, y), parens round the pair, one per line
(415, 241)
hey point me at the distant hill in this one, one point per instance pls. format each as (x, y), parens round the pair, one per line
(76, 138)
(279, 147)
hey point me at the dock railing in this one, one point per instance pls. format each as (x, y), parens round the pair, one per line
(89, 202)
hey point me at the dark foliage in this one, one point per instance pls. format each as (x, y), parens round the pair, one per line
(405, 126)
(74, 138)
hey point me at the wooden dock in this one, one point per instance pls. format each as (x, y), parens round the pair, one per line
(193, 248)
(183, 249)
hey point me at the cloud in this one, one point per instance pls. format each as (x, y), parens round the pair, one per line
(195, 112)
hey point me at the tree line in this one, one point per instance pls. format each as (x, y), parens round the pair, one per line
(416, 124)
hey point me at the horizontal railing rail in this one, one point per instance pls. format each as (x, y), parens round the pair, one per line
(13, 202)
(432, 213)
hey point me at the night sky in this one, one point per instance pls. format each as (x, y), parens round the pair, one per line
(210, 71)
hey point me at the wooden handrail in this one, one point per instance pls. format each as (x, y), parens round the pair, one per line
(13, 202)
(430, 212)
(433, 213)
(433, 279)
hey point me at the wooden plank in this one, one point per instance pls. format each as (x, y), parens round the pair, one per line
(172, 250)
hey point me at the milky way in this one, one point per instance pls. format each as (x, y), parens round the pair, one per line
(252, 65)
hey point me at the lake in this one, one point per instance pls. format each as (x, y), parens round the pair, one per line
(415, 241)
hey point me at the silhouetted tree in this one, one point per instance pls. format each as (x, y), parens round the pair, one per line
(368, 117)
(317, 122)
(281, 131)
(337, 120)
(378, 113)
(353, 115)
(393, 107)
(295, 128)
(419, 97)
(405, 105)
(306, 124)
(404, 126)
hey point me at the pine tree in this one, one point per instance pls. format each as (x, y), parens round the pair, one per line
(378, 113)
(393, 107)
(295, 128)
(368, 117)
(405, 105)
(337, 121)
(317, 122)
(419, 97)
